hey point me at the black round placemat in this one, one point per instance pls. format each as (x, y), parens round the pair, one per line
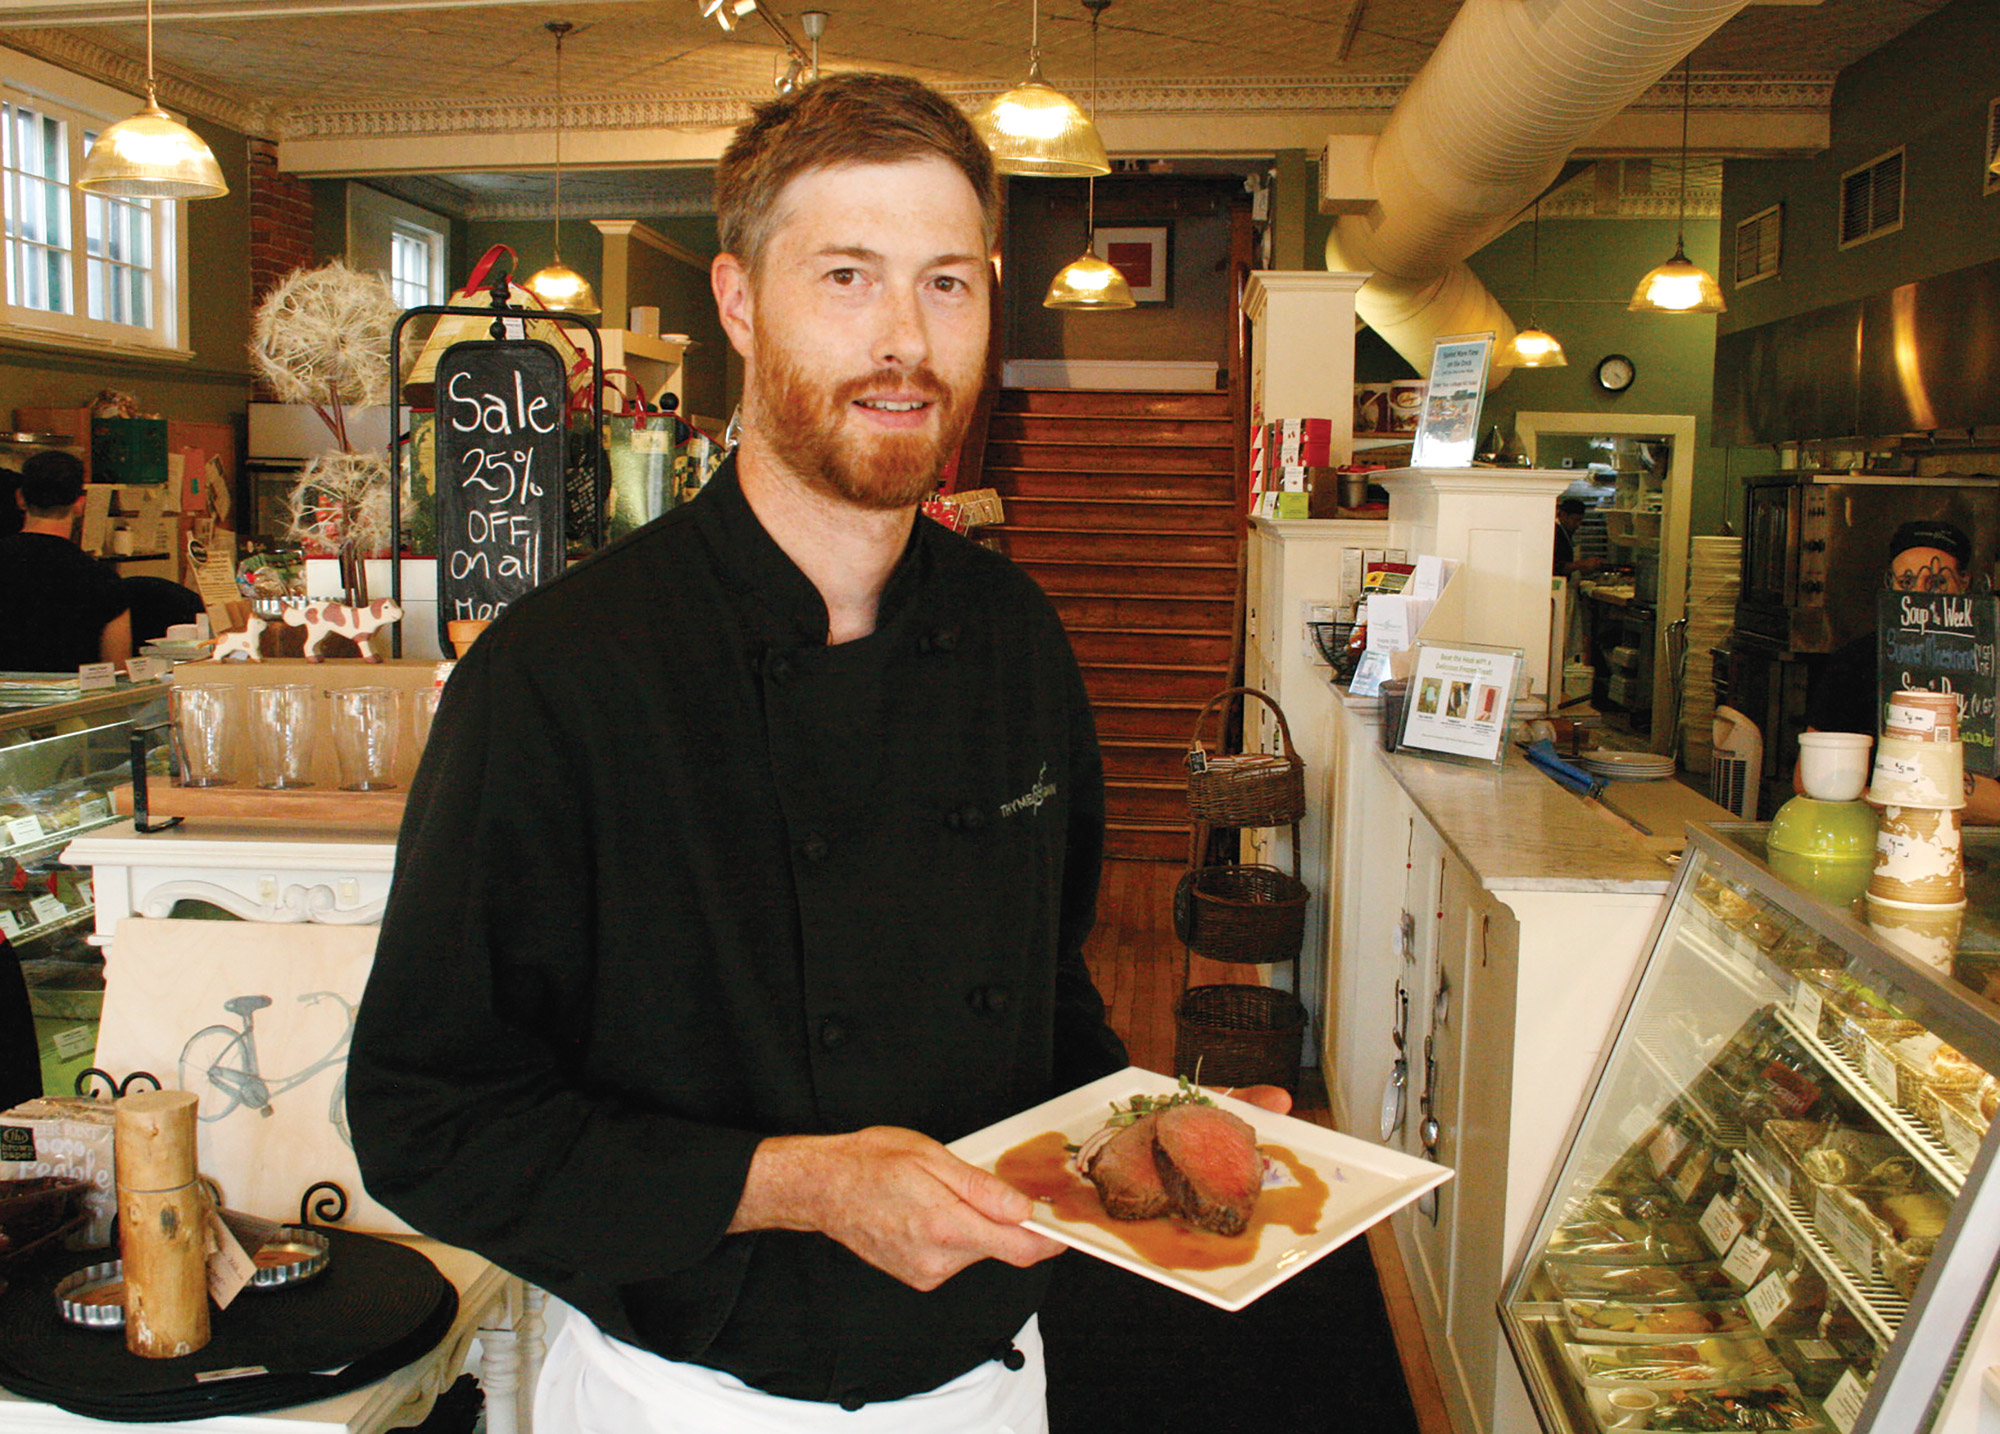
(376, 1307)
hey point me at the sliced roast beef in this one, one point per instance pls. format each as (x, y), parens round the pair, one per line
(1208, 1162)
(1126, 1175)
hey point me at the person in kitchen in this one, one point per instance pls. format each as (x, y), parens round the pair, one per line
(59, 607)
(1569, 517)
(753, 857)
(1925, 556)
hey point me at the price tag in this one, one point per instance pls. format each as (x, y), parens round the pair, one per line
(144, 669)
(1720, 1224)
(75, 1041)
(22, 830)
(1815, 1349)
(10, 924)
(1842, 1231)
(1666, 1148)
(48, 908)
(1879, 1068)
(1769, 1300)
(1843, 1405)
(1746, 1260)
(1806, 1006)
(1689, 1176)
(1959, 1132)
(96, 676)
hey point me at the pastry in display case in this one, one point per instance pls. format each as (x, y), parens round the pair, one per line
(59, 764)
(1774, 1212)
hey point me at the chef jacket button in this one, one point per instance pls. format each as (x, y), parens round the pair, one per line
(991, 999)
(779, 667)
(814, 848)
(1013, 1358)
(831, 1033)
(967, 818)
(945, 639)
(851, 1402)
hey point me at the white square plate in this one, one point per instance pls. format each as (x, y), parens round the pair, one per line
(1366, 1182)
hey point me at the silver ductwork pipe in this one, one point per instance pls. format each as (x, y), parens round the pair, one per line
(1513, 87)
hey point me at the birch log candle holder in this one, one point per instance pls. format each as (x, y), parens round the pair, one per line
(162, 1214)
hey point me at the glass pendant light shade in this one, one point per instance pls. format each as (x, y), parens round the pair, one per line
(151, 156)
(1088, 283)
(563, 290)
(1536, 348)
(1036, 129)
(1679, 286)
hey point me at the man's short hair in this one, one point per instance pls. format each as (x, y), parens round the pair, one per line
(1570, 505)
(1947, 538)
(843, 119)
(51, 483)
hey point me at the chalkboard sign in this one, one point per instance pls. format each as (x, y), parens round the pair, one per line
(1942, 643)
(500, 437)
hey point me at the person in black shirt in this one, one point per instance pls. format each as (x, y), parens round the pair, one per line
(59, 607)
(1569, 517)
(751, 860)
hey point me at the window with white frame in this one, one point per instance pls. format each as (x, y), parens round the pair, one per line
(406, 244)
(416, 262)
(79, 268)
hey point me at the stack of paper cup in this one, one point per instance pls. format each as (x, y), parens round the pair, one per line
(1916, 896)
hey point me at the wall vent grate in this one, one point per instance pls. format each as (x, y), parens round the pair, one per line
(1871, 200)
(1760, 245)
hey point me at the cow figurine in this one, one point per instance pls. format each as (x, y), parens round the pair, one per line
(242, 645)
(320, 619)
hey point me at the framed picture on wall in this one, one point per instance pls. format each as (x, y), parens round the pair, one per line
(1143, 256)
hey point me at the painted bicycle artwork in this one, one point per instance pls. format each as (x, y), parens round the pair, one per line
(220, 1063)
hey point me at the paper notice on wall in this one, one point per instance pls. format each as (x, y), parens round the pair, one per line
(212, 564)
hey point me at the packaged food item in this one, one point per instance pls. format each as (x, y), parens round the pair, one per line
(1800, 1154)
(1715, 1360)
(1757, 1407)
(1653, 1283)
(1627, 1242)
(1787, 1084)
(1631, 1322)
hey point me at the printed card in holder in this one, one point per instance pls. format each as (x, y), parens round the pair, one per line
(1460, 700)
(1448, 427)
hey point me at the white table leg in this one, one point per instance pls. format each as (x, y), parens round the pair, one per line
(531, 1332)
(500, 1374)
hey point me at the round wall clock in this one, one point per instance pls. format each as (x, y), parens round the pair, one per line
(1615, 373)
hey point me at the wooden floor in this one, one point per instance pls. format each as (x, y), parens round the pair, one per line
(1137, 965)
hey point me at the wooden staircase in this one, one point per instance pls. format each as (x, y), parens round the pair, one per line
(1120, 504)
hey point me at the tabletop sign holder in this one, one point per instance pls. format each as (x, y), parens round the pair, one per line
(1448, 426)
(1460, 702)
(502, 476)
(1943, 642)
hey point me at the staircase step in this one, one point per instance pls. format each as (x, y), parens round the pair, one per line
(1109, 428)
(1216, 515)
(1015, 480)
(1034, 545)
(1187, 579)
(1109, 400)
(1155, 721)
(1153, 803)
(1112, 455)
(1151, 682)
(1137, 842)
(1152, 610)
(1193, 646)
(1127, 759)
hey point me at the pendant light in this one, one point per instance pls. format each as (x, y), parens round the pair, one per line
(150, 155)
(1679, 286)
(1089, 282)
(1035, 129)
(1535, 347)
(560, 287)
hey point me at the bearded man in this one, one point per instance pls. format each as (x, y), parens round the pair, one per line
(752, 859)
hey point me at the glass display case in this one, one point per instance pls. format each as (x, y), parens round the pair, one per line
(1774, 1211)
(60, 762)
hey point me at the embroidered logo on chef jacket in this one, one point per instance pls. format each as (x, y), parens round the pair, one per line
(1033, 798)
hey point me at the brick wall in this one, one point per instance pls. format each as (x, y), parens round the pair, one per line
(281, 220)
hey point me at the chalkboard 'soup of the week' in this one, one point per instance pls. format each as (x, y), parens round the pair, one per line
(500, 456)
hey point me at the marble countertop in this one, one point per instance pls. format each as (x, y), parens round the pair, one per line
(1519, 831)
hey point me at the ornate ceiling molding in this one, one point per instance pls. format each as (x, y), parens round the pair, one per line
(72, 52)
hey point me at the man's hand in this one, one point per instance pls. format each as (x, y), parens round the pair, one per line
(898, 1199)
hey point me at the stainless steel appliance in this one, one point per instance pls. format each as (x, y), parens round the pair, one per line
(1815, 546)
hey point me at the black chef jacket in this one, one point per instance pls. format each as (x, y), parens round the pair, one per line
(55, 600)
(676, 875)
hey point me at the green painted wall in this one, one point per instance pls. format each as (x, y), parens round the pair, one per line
(1588, 270)
(687, 306)
(532, 241)
(1928, 91)
(214, 385)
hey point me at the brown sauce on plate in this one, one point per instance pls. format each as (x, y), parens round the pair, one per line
(282, 1256)
(1039, 1168)
(111, 1292)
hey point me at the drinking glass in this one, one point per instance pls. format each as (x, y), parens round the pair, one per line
(283, 722)
(422, 713)
(364, 737)
(202, 713)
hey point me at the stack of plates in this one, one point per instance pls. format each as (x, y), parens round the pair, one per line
(1626, 766)
(177, 650)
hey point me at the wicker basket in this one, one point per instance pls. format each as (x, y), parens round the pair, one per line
(1241, 913)
(1239, 1035)
(1253, 789)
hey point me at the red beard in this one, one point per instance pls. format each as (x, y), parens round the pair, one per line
(804, 423)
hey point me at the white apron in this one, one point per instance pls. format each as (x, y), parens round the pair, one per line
(593, 1384)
